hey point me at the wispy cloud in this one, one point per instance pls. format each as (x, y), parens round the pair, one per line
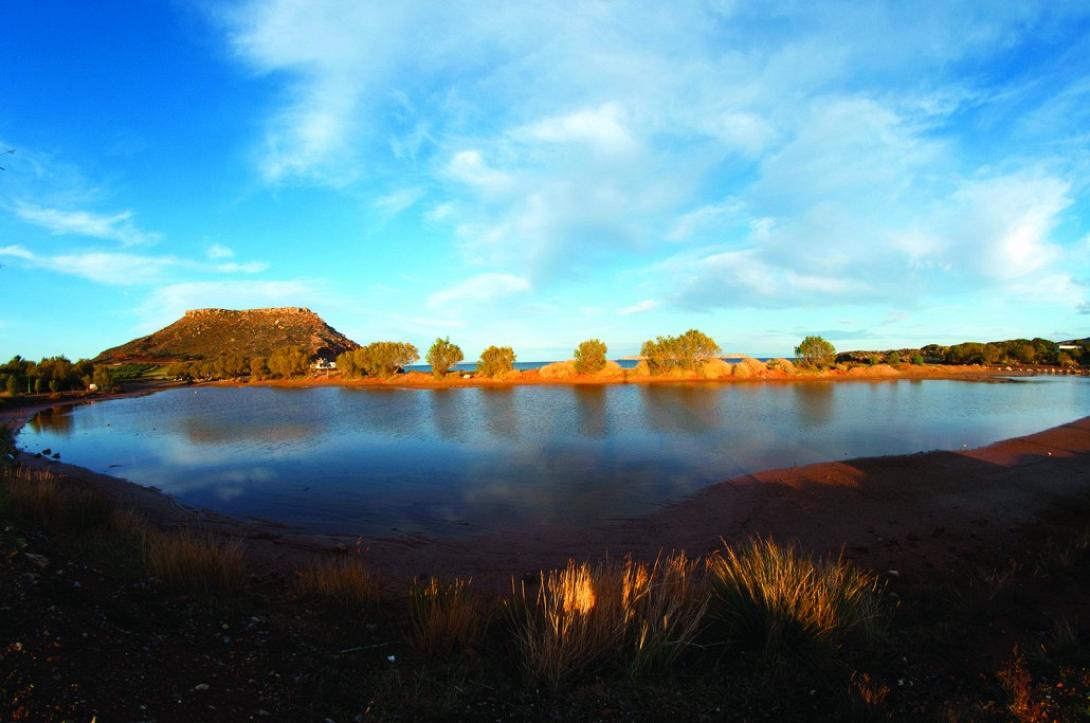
(479, 289)
(115, 268)
(219, 251)
(638, 308)
(114, 227)
(397, 201)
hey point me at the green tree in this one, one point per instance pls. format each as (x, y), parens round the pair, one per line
(289, 361)
(687, 351)
(101, 378)
(496, 361)
(590, 356)
(442, 356)
(385, 358)
(815, 352)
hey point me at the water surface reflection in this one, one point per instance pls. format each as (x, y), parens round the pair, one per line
(441, 462)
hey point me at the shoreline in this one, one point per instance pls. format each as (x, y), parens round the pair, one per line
(532, 377)
(915, 513)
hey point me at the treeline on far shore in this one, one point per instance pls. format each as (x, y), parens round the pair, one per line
(993, 353)
(692, 352)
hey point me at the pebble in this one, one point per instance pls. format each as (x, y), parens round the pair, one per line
(201, 686)
(40, 560)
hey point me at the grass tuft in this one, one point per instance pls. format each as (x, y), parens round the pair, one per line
(63, 506)
(197, 562)
(637, 616)
(341, 582)
(772, 598)
(445, 617)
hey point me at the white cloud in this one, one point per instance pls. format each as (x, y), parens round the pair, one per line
(638, 308)
(397, 201)
(115, 268)
(470, 168)
(250, 267)
(16, 251)
(600, 128)
(219, 251)
(479, 289)
(710, 216)
(117, 227)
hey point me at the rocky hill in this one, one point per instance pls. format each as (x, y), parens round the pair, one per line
(206, 333)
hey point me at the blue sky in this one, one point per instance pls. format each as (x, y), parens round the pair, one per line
(533, 174)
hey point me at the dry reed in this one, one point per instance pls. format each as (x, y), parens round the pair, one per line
(773, 597)
(342, 582)
(197, 562)
(445, 617)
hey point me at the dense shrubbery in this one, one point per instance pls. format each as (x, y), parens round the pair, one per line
(816, 352)
(496, 361)
(1012, 351)
(442, 356)
(288, 362)
(687, 351)
(590, 356)
(377, 359)
(51, 374)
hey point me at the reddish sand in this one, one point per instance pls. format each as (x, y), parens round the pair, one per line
(914, 514)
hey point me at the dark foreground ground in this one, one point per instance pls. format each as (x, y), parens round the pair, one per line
(999, 632)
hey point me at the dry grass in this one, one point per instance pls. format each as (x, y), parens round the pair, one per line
(445, 617)
(65, 506)
(197, 562)
(1018, 684)
(341, 582)
(771, 597)
(782, 365)
(715, 369)
(641, 617)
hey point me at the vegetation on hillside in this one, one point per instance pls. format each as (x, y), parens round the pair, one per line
(205, 334)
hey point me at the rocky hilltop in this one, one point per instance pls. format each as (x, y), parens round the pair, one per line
(206, 333)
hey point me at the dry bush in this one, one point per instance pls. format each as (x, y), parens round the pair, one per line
(558, 370)
(642, 369)
(782, 365)
(771, 597)
(878, 370)
(740, 371)
(444, 618)
(197, 562)
(638, 616)
(715, 369)
(755, 367)
(341, 582)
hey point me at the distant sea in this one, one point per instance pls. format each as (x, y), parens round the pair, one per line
(523, 366)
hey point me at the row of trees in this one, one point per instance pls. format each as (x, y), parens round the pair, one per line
(51, 374)
(283, 363)
(1012, 351)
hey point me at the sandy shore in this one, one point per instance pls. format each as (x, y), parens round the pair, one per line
(912, 513)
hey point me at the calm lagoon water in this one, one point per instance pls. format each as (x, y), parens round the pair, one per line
(443, 462)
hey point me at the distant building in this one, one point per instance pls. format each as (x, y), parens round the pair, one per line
(324, 365)
(1070, 347)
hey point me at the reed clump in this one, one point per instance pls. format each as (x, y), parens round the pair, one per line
(197, 562)
(771, 598)
(637, 616)
(64, 506)
(445, 617)
(341, 582)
